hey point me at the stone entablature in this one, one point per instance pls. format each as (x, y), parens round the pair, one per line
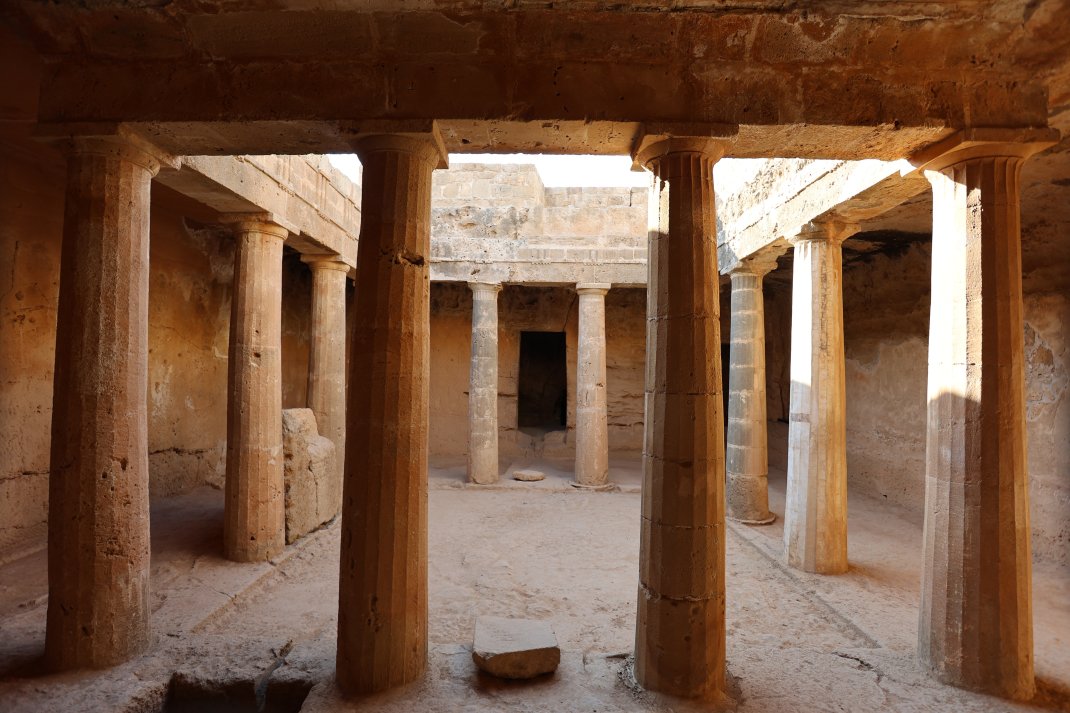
(499, 224)
(316, 203)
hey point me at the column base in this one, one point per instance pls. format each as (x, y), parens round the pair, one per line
(582, 486)
(771, 518)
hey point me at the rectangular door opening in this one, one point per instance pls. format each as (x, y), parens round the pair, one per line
(542, 395)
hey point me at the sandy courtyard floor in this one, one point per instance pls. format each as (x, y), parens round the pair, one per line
(234, 637)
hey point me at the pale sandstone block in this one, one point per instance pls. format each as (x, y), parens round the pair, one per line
(515, 648)
(309, 469)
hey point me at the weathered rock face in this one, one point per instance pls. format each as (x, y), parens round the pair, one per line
(308, 467)
(190, 277)
(575, 79)
(515, 648)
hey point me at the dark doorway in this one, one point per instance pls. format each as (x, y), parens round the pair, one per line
(542, 398)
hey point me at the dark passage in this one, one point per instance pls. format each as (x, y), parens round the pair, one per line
(543, 392)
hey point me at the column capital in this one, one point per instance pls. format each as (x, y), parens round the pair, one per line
(831, 231)
(421, 139)
(485, 287)
(657, 141)
(108, 140)
(327, 261)
(593, 288)
(984, 142)
(255, 223)
(759, 264)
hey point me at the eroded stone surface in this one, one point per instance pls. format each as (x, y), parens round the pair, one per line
(529, 476)
(309, 472)
(515, 648)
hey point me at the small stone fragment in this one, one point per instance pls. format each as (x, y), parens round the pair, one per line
(528, 476)
(515, 648)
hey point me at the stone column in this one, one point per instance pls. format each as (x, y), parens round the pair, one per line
(382, 598)
(98, 507)
(976, 595)
(254, 516)
(680, 628)
(483, 385)
(815, 514)
(327, 364)
(592, 435)
(747, 453)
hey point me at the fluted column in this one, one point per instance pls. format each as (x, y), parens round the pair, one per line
(327, 366)
(254, 515)
(382, 599)
(680, 629)
(483, 385)
(592, 430)
(815, 513)
(98, 508)
(747, 453)
(976, 595)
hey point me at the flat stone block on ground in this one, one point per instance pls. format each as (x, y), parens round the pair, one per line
(529, 476)
(515, 648)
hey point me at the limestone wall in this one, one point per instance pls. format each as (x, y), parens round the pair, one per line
(498, 223)
(526, 308)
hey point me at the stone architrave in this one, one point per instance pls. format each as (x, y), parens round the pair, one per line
(592, 429)
(680, 627)
(483, 385)
(747, 451)
(815, 512)
(382, 597)
(327, 366)
(976, 623)
(254, 516)
(98, 507)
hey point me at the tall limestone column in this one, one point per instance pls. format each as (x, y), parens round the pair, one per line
(748, 448)
(382, 598)
(680, 628)
(976, 595)
(254, 509)
(98, 507)
(483, 385)
(327, 363)
(592, 435)
(815, 514)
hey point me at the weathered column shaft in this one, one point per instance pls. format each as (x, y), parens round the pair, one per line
(98, 508)
(592, 429)
(680, 630)
(327, 365)
(976, 595)
(382, 607)
(254, 519)
(815, 514)
(747, 453)
(483, 385)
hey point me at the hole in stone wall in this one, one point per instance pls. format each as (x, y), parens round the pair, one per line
(542, 398)
(267, 694)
